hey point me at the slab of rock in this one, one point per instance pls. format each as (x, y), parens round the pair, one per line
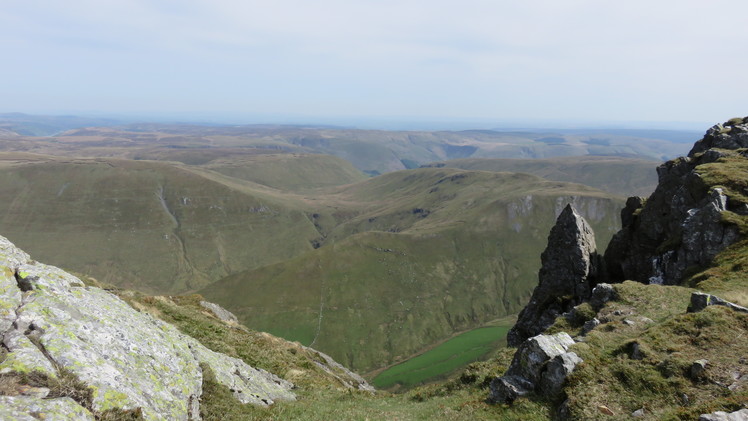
(567, 276)
(506, 389)
(541, 364)
(25, 408)
(220, 312)
(741, 415)
(52, 322)
(345, 376)
(700, 301)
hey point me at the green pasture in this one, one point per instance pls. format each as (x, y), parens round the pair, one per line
(443, 359)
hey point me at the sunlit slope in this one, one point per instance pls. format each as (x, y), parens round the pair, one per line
(435, 251)
(292, 172)
(151, 226)
(621, 176)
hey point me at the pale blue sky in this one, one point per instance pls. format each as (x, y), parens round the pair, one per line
(328, 60)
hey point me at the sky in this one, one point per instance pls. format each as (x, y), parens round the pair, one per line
(349, 61)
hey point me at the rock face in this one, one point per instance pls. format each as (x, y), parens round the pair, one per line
(568, 274)
(679, 226)
(540, 364)
(52, 324)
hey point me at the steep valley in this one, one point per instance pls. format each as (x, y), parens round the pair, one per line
(440, 251)
(370, 272)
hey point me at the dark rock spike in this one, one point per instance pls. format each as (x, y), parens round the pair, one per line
(569, 272)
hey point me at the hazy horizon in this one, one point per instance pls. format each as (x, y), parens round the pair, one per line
(383, 123)
(480, 64)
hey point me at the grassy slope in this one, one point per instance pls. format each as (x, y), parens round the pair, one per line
(669, 344)
(442, 360)
(622, 176)
(293, 172)
(107, 217)
(430, 252)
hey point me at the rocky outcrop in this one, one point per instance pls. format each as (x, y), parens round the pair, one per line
(679, 227)
(53, 325)
(732, 134)
(568, 274)
(697, 210)
(700, 301)
(541, 364)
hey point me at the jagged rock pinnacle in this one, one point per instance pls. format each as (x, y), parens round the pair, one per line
(567, 276)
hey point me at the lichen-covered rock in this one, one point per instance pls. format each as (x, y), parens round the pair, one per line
(680, 226)
(248, 384)
(128, 359)
(25, 408)
(567, 276)
(23, 356)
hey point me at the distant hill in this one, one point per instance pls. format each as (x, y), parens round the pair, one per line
(622, 176)
(292, 172)
(370, 151)
(151, 226)
(38, 125)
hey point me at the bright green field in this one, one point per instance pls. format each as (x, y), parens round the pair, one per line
(445, 358)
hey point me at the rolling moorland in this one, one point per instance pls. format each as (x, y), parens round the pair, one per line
(647, 350)
(172, 209)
